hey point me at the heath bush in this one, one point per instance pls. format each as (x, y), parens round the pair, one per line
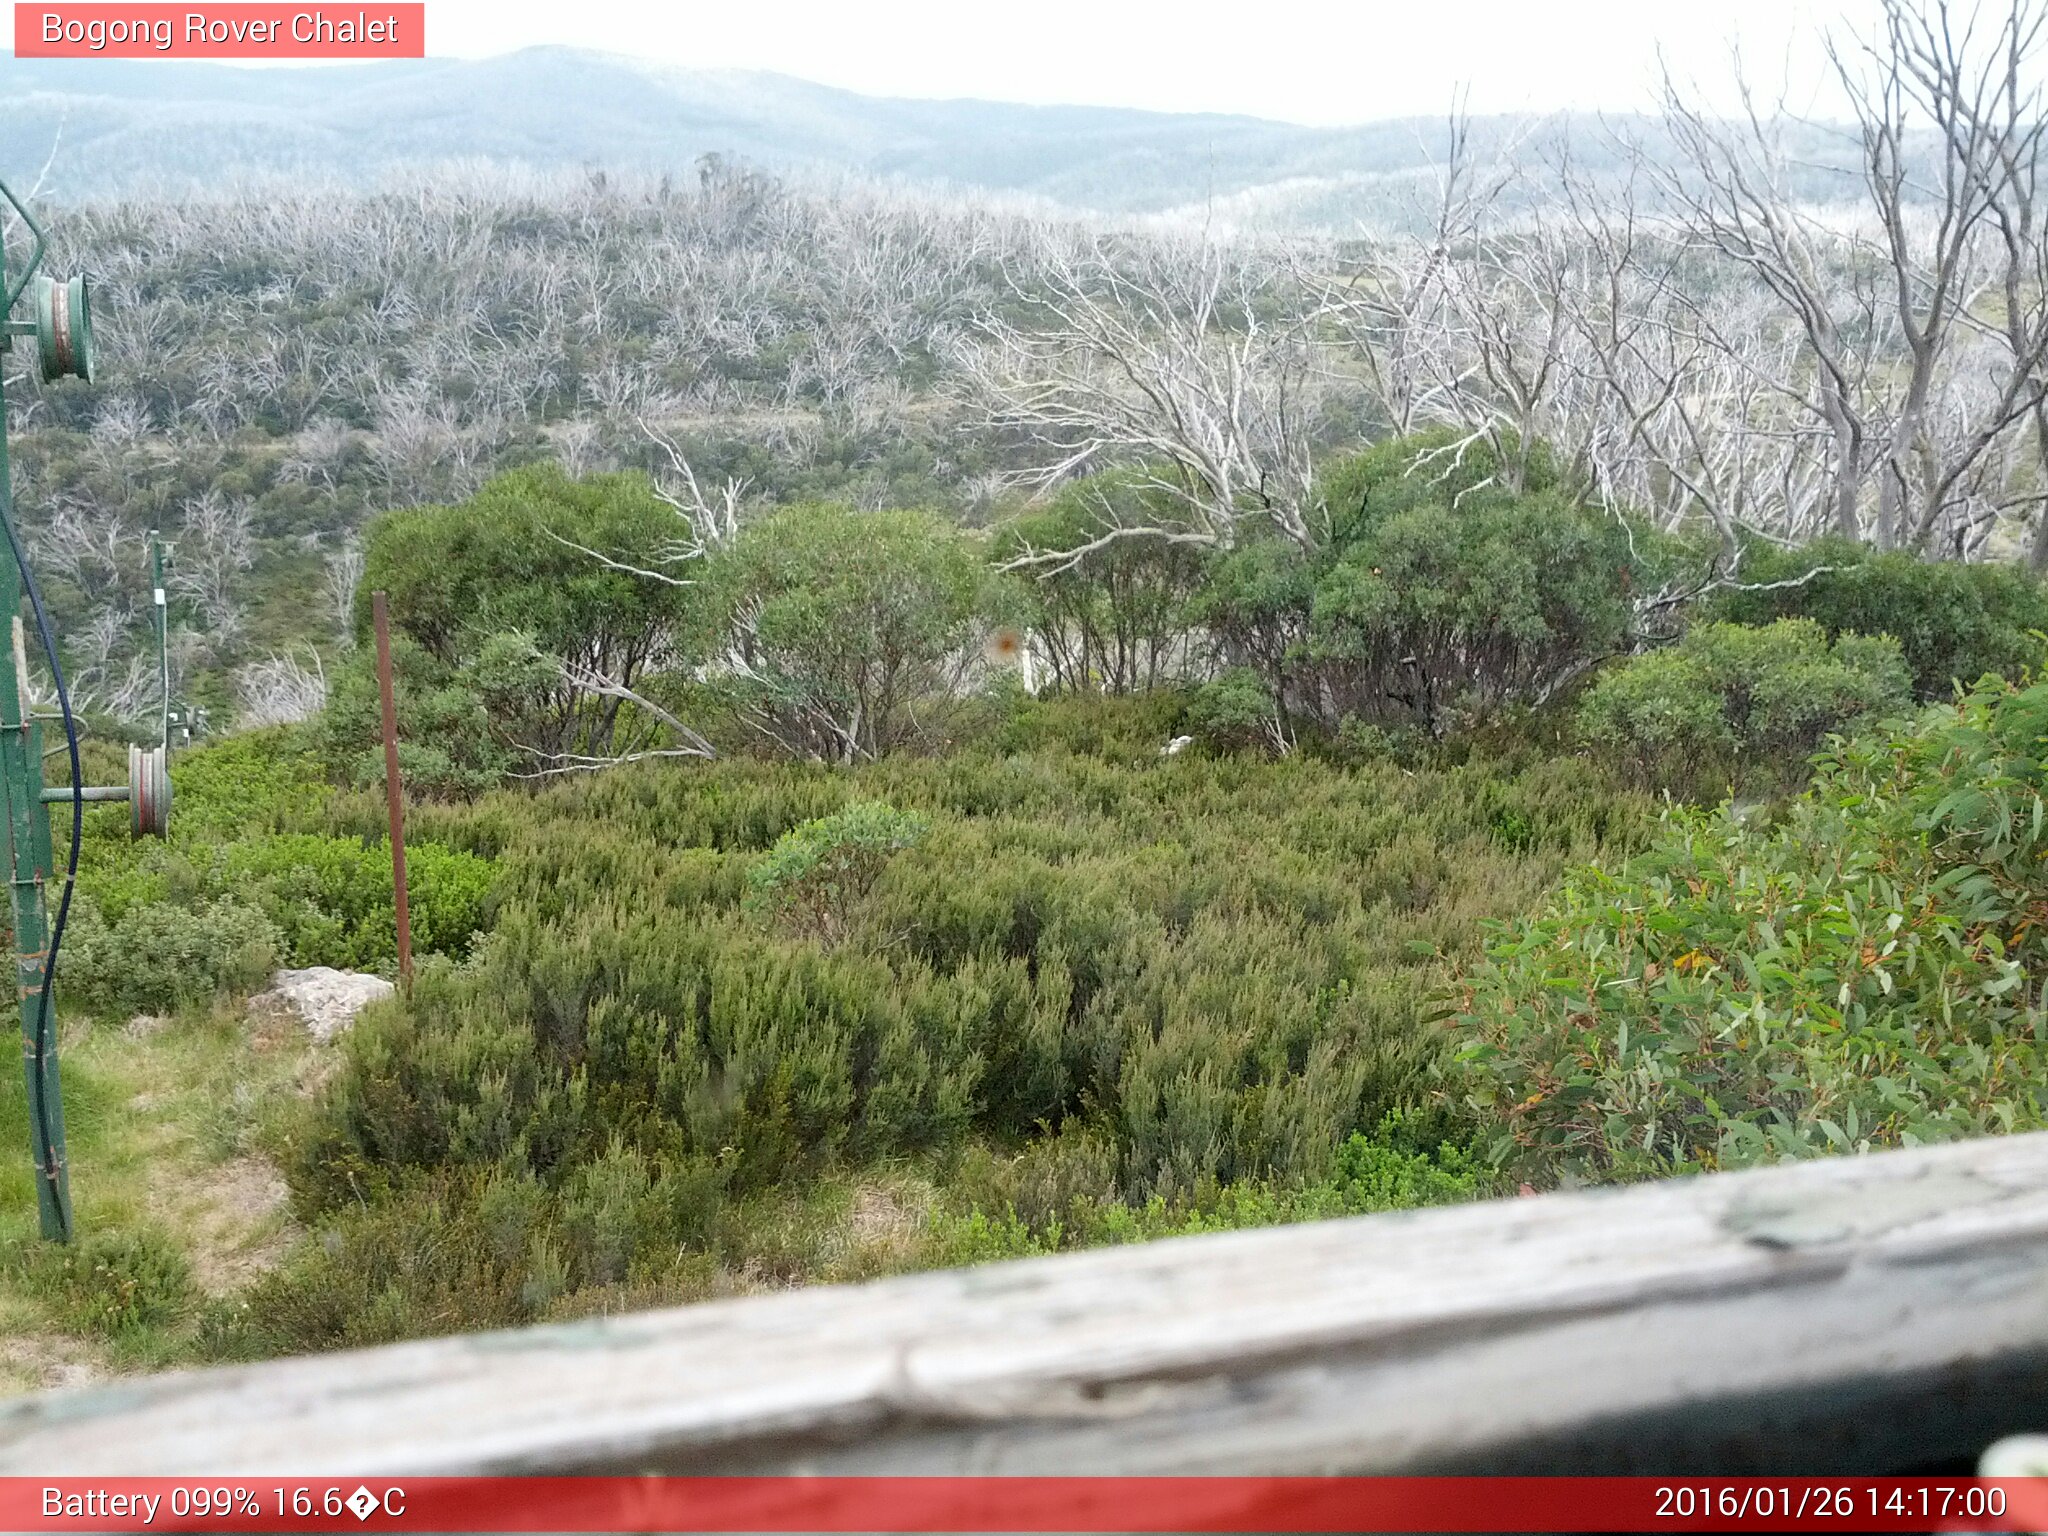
(1737, 701)
(1955, 622)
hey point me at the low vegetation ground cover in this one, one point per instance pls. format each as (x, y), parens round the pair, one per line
(1070, 991)
(1073, 994)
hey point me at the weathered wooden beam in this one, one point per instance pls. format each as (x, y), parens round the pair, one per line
(1859, 1314)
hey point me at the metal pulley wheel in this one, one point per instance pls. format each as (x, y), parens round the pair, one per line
(149, 792)
(64, 327)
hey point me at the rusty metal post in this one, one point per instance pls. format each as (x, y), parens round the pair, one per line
(393, 792)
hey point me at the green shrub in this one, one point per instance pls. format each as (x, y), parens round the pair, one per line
(855, 624)
(1127, 731)
(1058, 1193)
(1117, 618)
(1856, 974)
(1219, 966)
(1954, 622)
(450, 1255)
(1363, 741)
(1380, 1173)
(499, 590)
(816, 872)
(241, 838)
(256, 781)
(115, 1283)
(448, 745)
(611, 1212)
(1447, 596)
(186, 922)
(1236, 710)
(1255, 602)
(331, 897)
(1734, 700)
(1056, 1181)
(1437, 589)
(241, 885)
(157, 957)
(116, 889)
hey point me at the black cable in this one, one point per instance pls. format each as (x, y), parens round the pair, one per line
(40, 1098)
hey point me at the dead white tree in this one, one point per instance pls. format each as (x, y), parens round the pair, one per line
(1694, 412)
(1186, 359)
(1969, 80)
(344, 574)
(641, 747)
(712, 523)
(281, 689)
(1733, 184)
(1386, 300)
(709, 522)
(317, 452)
(708, 525)
(215, 545)
(1470, 325)
(1922, 326)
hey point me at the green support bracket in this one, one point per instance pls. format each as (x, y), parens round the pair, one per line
(28, 864)
(62, 325)
(21, 782)
(160, 611)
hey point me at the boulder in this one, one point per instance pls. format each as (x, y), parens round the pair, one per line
(325, 1000)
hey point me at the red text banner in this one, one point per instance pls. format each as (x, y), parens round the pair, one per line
(977, 1504)
(224, 31)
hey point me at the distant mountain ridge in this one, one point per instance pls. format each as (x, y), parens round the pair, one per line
(133, 126)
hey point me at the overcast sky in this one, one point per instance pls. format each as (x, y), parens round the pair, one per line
(1330, 62)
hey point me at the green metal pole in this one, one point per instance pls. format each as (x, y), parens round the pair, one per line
(163, 640)
(28, 857)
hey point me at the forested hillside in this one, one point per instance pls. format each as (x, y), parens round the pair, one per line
(282, 365)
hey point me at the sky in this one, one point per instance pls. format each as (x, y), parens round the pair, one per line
(1323, 63)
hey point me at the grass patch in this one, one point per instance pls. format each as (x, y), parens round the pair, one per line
(171, 1128)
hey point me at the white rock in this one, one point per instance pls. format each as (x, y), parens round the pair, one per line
(325, 1000)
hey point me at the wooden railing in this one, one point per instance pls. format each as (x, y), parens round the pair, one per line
(1887, 1313)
